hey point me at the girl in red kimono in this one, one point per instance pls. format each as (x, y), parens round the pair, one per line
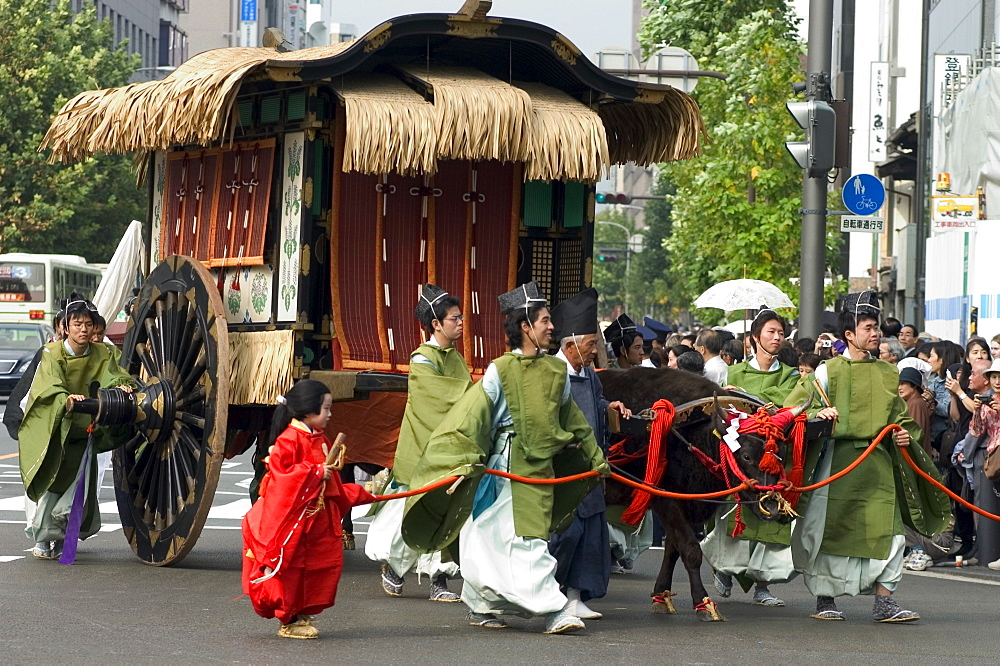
(292, 540)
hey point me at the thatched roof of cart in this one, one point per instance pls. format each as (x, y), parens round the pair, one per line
(448, 85)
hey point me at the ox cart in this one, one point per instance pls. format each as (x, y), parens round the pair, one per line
(297, 202)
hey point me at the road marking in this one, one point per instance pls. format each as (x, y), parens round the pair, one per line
(231, 511)
(12, 503)
(10, 558)
(8, 456)
(949, 576)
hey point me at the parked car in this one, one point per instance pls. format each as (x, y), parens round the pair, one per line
(18, 344)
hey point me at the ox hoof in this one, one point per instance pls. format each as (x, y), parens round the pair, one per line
(663, 604)
(708, 611)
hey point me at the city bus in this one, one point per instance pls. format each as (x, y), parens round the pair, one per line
(32, 285)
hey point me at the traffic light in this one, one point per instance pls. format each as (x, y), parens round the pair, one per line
(613, 198)
(608, 253)
(817, 153)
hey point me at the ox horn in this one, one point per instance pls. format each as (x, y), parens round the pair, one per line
(798, 409)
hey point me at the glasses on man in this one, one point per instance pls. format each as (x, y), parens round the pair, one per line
(456, 318)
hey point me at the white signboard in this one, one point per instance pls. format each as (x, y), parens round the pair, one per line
(291, 226)
(871, 225)
(948, 68)
(159, 183)
(248, 33)
(878, 112)
(954, 213)
(294, 16)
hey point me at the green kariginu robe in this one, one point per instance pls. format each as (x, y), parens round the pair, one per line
(547, 429)
(772, 386)
(433, 388)
(872, 503)
(51, 441)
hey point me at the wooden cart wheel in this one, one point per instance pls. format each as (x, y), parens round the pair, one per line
(165, 477)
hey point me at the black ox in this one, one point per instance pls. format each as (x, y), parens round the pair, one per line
(639, 388)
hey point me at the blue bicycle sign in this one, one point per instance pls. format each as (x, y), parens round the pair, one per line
(864, 194)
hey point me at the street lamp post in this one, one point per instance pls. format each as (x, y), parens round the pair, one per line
(628, 254)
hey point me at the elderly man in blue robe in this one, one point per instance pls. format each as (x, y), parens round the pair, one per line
(583, 551)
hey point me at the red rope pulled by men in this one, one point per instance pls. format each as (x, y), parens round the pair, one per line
(647, 489)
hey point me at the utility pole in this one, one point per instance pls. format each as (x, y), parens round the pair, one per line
(814, 186)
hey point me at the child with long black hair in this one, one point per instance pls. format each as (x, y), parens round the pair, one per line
(292, 538)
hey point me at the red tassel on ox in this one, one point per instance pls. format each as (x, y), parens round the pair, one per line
(797, 473)
(656, 461)
(769, 462)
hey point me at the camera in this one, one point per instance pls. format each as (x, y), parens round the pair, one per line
(826, 343)
(984, 398)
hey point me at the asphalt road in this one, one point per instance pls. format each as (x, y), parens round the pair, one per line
(108, 608)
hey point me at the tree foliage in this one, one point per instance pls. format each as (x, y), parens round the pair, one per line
(610, 275)
(654, 295)
(736, 207)
(695, 25)
(47, 56)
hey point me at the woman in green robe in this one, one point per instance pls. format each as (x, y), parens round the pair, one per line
(53, 442)
(761, 554)
(763, 375)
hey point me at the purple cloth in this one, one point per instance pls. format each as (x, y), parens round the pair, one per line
(76, 513)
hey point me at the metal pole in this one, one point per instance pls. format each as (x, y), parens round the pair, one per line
(814, 189)
(628, 257)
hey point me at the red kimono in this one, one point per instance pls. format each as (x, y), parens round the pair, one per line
(292, 553)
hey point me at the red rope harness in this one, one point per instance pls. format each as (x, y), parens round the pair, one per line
(617, 455)
(656, 461)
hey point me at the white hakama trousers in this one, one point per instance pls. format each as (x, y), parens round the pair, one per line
(385, 542)
(760, 562)
(627, 542)
(505, 573)
(828, 575)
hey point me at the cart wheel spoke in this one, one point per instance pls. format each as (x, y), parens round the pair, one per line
(165, 478)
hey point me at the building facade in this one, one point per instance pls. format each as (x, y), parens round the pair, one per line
(149, 27)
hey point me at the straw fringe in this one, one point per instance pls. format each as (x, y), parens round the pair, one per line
(390, 128)
(568, 141)
(479, 117)
(667, 131)
(194, 104)
(261, 365)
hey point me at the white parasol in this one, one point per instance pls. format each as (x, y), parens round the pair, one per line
(739, 326)
(743, 294)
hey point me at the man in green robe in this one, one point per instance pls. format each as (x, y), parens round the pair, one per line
(760, 555)
(53, 442)
(849, 539)
(438, 377)
(520, 419)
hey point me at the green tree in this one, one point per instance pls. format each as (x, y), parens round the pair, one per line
(696, 25)
(654, 295)
(736, 207)
(610, 261)
(47, 56)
